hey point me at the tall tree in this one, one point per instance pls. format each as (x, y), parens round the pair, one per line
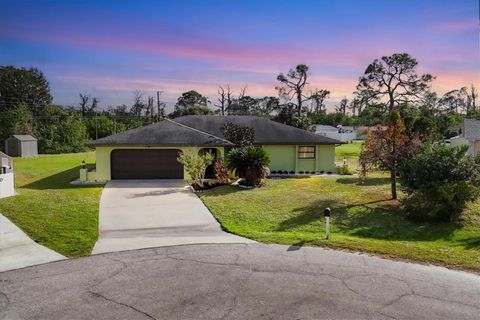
(393, 80)
(28, 87)
(293, 87)
(342, 106)
(318, 98)
(472, 100)
(190, 103)
(455, 101)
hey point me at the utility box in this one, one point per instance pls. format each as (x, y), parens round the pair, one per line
(21, 146)
(7, 178)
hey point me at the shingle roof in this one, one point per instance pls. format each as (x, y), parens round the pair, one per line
(266, 131)
(164, 133)
(472, 129)
(3, 155)
(24, 137)
(207, 131)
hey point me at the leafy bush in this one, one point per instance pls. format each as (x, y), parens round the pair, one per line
(221, 172)
(439, 181)
(250, 163)
(344, 170)
(195, 165)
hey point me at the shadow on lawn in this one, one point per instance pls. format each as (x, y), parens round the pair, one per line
(59, 180)
(380, 219)
(366, 182)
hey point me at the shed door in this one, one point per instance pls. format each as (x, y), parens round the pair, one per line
(476, 147)
(146, 164)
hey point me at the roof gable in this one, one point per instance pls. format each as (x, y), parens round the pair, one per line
(164, 133)
(23, 137)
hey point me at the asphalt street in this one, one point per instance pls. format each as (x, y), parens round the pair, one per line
(237, 281)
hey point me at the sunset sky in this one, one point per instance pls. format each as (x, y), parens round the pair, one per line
(111, 48)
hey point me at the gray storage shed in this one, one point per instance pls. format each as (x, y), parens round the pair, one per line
(21, 146)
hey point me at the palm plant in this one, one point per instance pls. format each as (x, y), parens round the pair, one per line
(250, 163)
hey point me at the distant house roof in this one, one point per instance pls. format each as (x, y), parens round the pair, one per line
(24, 137)
(3, 155)
(207, 131)
(322, 127)
(472, 129)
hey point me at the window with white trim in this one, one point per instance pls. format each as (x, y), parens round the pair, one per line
(306, 152)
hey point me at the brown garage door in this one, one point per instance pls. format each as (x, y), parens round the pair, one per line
(146, 164)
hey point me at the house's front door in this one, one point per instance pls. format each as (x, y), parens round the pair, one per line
(476, 147)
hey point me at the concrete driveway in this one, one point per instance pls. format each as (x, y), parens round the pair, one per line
(17, 250)
(237, 281)
(137, 214)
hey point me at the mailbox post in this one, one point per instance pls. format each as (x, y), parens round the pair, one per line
(326, 214)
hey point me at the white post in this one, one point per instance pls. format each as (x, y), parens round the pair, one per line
(327, 228)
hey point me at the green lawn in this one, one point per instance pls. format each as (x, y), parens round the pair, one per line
(54, 213)
(350, 152)
(290, 211)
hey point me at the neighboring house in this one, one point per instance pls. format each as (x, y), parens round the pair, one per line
(361, 132)
(469, 135)
(151, 152)
(21, 146)
(343, 134)
(6, 176)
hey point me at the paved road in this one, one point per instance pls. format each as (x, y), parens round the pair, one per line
(237, 281)
(137, 214)
(17, 250)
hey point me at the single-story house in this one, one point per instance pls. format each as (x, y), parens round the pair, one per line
(469, 135)
(341, 133)
(21, 145)
(6, 176)
(151, 152)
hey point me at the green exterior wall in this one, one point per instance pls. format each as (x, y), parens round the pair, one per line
(283, 157)
(326, 158)
(103, 169)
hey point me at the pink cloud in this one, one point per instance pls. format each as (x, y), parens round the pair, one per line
(454, 26)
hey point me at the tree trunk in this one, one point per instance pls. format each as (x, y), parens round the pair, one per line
(299, 99)
(393, 181)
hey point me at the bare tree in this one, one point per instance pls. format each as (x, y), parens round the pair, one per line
(225, 99)
(94, 104)
(84, 102)
(149, 111)
(342, 106)
(138, 103)
(472, 100)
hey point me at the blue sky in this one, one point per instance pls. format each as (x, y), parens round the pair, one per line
(112, 48)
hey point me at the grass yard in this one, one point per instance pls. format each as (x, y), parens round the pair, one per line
(54, 213)
(290, 211)
(350, 152)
